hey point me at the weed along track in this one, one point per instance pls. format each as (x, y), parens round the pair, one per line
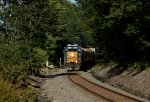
(105, 93)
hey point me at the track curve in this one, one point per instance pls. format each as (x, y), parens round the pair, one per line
(105, 93)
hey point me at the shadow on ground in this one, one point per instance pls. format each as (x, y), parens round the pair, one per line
(51, 76)
(87, 65)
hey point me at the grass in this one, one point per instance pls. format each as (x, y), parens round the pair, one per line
(9, 93)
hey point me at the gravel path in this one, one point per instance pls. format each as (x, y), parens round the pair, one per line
(60, 89)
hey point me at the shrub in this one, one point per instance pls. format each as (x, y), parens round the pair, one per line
(9, 93)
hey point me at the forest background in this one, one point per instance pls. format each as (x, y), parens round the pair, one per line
(35, 31)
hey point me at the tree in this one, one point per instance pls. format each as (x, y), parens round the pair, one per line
(32, 38)
(120, 28)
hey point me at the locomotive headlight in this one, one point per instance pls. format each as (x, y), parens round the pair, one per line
(72, 55)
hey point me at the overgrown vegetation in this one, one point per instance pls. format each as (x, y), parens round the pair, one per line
(30, 35)
(9, 93)
(34, 31)
(120, 28)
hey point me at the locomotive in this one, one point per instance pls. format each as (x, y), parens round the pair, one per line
(75, 56)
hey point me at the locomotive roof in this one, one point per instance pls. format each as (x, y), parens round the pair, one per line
(88, 49)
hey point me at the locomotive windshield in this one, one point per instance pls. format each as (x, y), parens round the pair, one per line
(72, 49)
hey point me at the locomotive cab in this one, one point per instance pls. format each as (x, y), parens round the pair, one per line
(72, 56)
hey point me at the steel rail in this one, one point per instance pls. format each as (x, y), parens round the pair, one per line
(103, 92)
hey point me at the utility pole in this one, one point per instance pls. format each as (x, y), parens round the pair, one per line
(60, 62)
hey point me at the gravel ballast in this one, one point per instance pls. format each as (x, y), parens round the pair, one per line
(59, 88)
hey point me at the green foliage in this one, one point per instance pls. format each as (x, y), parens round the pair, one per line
(16, 74)
(30, 42)
(30, 37)
(138, 65)
(37, 31)
(121, 28)
(72, 27)
(33, 30)
(30, 94)
(9, 93)
(40, 57)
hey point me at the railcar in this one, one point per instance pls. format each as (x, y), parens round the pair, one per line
(75, 56)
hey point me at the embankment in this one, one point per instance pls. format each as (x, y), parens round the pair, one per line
(131, 80)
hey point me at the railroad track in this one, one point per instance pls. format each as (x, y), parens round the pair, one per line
(107, 94)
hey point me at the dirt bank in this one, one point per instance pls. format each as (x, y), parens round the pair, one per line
(132, 81)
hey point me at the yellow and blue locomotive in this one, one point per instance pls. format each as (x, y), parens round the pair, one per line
(72, 56)
(75, 56)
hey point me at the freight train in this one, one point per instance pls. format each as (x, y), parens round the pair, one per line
(75, 56)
